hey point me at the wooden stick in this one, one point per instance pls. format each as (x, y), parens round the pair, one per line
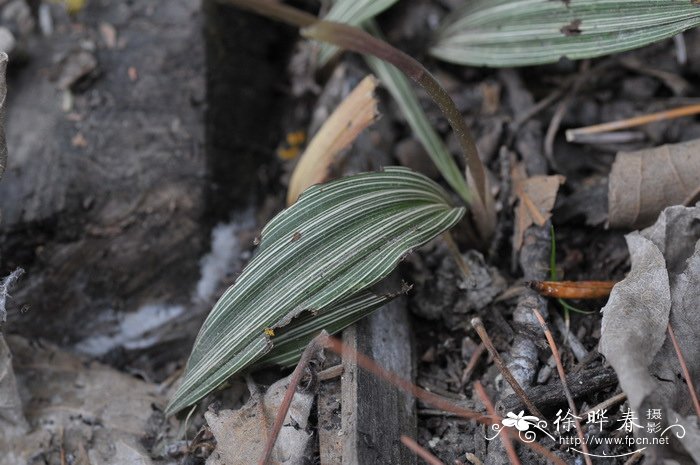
(420, 451)
(481, 331)
(370, 365)
(565, 386)
(606, 404)
(572, 135)
(311, 349)
(428, 397)
(471, 365)
(686, 372)
(505, 439)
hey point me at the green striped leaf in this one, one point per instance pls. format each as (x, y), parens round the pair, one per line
(320, 255)
(354, 13)
(291, 340)
(528, 32)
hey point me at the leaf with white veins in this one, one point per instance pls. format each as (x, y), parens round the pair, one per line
(334, 243)
(528, 32)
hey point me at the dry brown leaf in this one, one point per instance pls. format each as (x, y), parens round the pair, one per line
(241, 434)
(645, 182)
(662, 287)
(12, 421)
(536, 195)
(88, 408)
(355, 113)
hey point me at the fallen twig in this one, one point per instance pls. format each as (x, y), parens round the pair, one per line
(331, 372)
(574, 135)
(686, 372)
(370, 365)
(565, 386)
(311, 349)
(428, 397)
(505, 439)
(606, 404)
(573, 289)
(420, 451)
(471, 365)
(481, 331)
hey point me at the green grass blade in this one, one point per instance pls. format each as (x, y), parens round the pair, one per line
(354, 13)
(527, 32)
(335, 242)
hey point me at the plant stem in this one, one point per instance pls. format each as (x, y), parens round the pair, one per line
(360, 41)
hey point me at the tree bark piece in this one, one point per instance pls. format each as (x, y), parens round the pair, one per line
(548, 396)
(374, 413)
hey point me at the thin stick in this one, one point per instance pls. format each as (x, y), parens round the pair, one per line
(481, 331)
(581, 77)
(428, 397)
(565, 386)
(457, 256)
(471, 365)
(330, 373)
(311, 350)
(634, 458)
(505, 439)
(606, 404)
(360, 41)
(420, 451)
(686, 372)
(572, 135)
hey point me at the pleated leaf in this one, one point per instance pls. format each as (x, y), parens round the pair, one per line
(527, 32)
(291, 340)
(320, 255)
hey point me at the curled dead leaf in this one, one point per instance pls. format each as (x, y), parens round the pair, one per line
(536, 195)
(353, 115)
(662, 289)
(241, 434)
(643, 183)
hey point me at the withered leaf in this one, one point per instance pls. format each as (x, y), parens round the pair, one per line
(241, 434)
(662, 288)
(643, 183)
(536, 196)
(353, 115)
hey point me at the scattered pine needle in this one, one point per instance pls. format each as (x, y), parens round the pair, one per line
(606, 404)
(481, 331)
(371, 366)
(428, 397)
(565, 386)
(686, 372)
(575, 135)
(505, 438)
(471, 365)
(420, 451)
(311, 350)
